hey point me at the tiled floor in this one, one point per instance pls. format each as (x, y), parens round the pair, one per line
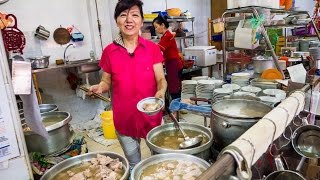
(94, 146)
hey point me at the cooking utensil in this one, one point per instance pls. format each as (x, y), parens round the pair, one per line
(188, 142)
(261, 63)
(203, 151)
(42, 33)
(95, 94)
(39, 62)
(59, 130)
(48, 108)
(61, 36)
(13, 38)
(77, 160)
(230, 118)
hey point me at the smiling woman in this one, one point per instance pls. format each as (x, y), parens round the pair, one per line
(133, 66)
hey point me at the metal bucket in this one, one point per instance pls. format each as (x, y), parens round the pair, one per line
(202, 151)
(60, 134)
(230, 118)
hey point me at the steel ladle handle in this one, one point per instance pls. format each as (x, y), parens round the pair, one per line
(175, 121)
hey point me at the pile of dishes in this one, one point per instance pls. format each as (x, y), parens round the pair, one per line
(242, 79)
(220, 93)
(205, 88)
(197, 78)
(188, 89)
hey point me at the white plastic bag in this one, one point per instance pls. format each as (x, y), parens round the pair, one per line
(245, 37)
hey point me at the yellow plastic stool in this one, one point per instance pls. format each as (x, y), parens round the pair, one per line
(109, 131)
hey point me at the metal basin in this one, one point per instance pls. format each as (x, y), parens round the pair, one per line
(230, 118)
(87, 68)
(138, 169)
(64, 165)
(60, 133)
(202, 151)
(48, 108)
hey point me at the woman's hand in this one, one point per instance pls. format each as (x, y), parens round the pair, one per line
(160, 94)
(95, 89)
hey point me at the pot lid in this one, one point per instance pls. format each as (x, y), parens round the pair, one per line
(261, 58)
(55, 120)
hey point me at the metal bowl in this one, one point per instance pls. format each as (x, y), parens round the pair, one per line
(306, 141)
(150, 100)
(39, 62)
(48, 108)
(138, 169)
(64, 165)
(202, 151)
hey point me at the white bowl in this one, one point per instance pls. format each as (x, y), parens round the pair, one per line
(269, 99)
(244, 94)
(150, 100)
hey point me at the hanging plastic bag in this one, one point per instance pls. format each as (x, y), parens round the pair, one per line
(76, 36)
(245, 37)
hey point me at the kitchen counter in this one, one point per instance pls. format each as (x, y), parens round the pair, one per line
(70, 65)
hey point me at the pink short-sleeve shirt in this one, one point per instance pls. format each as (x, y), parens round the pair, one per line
(132, 78)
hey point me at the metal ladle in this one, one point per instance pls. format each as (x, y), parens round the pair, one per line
(188, 142)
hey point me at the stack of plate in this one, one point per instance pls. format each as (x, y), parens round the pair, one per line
(220, 93)
(197, 78)
(204, 89)
(234, 87)
(188, 89)
(251, 89)
(242, 79)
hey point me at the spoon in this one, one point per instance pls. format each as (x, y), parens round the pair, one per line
(188, 142)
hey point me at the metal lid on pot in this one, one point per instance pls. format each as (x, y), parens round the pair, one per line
(56, 119)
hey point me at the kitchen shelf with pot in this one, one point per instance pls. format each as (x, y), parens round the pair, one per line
(268, 46)
(179, 19)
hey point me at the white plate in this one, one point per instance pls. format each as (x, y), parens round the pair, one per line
(222, 91)
(244, 93)
(273, 92)
(197, 78)
(240, 74)
(189, 82)
(251, 89)
(269, 99)
(234, 87)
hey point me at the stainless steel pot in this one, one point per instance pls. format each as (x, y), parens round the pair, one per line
(230, 118)
(64, 165)
(39, 62)
(138, 169)
(202, 151)
(261, 63)
(48, 108)
(60, 134)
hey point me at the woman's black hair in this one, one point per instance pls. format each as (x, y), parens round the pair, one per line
(161, 20)
(123, 5)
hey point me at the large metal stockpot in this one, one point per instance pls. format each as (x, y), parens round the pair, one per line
(230, 118)
(261, 63)
(60, 134)
(202, 151)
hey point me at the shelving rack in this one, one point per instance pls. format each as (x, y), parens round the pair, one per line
(179, 19)
(253, 10)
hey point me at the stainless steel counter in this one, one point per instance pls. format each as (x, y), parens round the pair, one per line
(69, 65)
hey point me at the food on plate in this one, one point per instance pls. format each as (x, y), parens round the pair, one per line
(172, 169)
(102, 167)
(150, 106)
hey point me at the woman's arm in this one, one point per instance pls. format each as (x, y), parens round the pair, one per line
(103, 86)
(161, 80)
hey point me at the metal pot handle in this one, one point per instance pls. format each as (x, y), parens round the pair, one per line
(279, 163)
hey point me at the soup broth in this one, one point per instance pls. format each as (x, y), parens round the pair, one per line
(51, 120)
(172, 138)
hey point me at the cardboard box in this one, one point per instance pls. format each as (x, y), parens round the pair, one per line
(203, 55)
